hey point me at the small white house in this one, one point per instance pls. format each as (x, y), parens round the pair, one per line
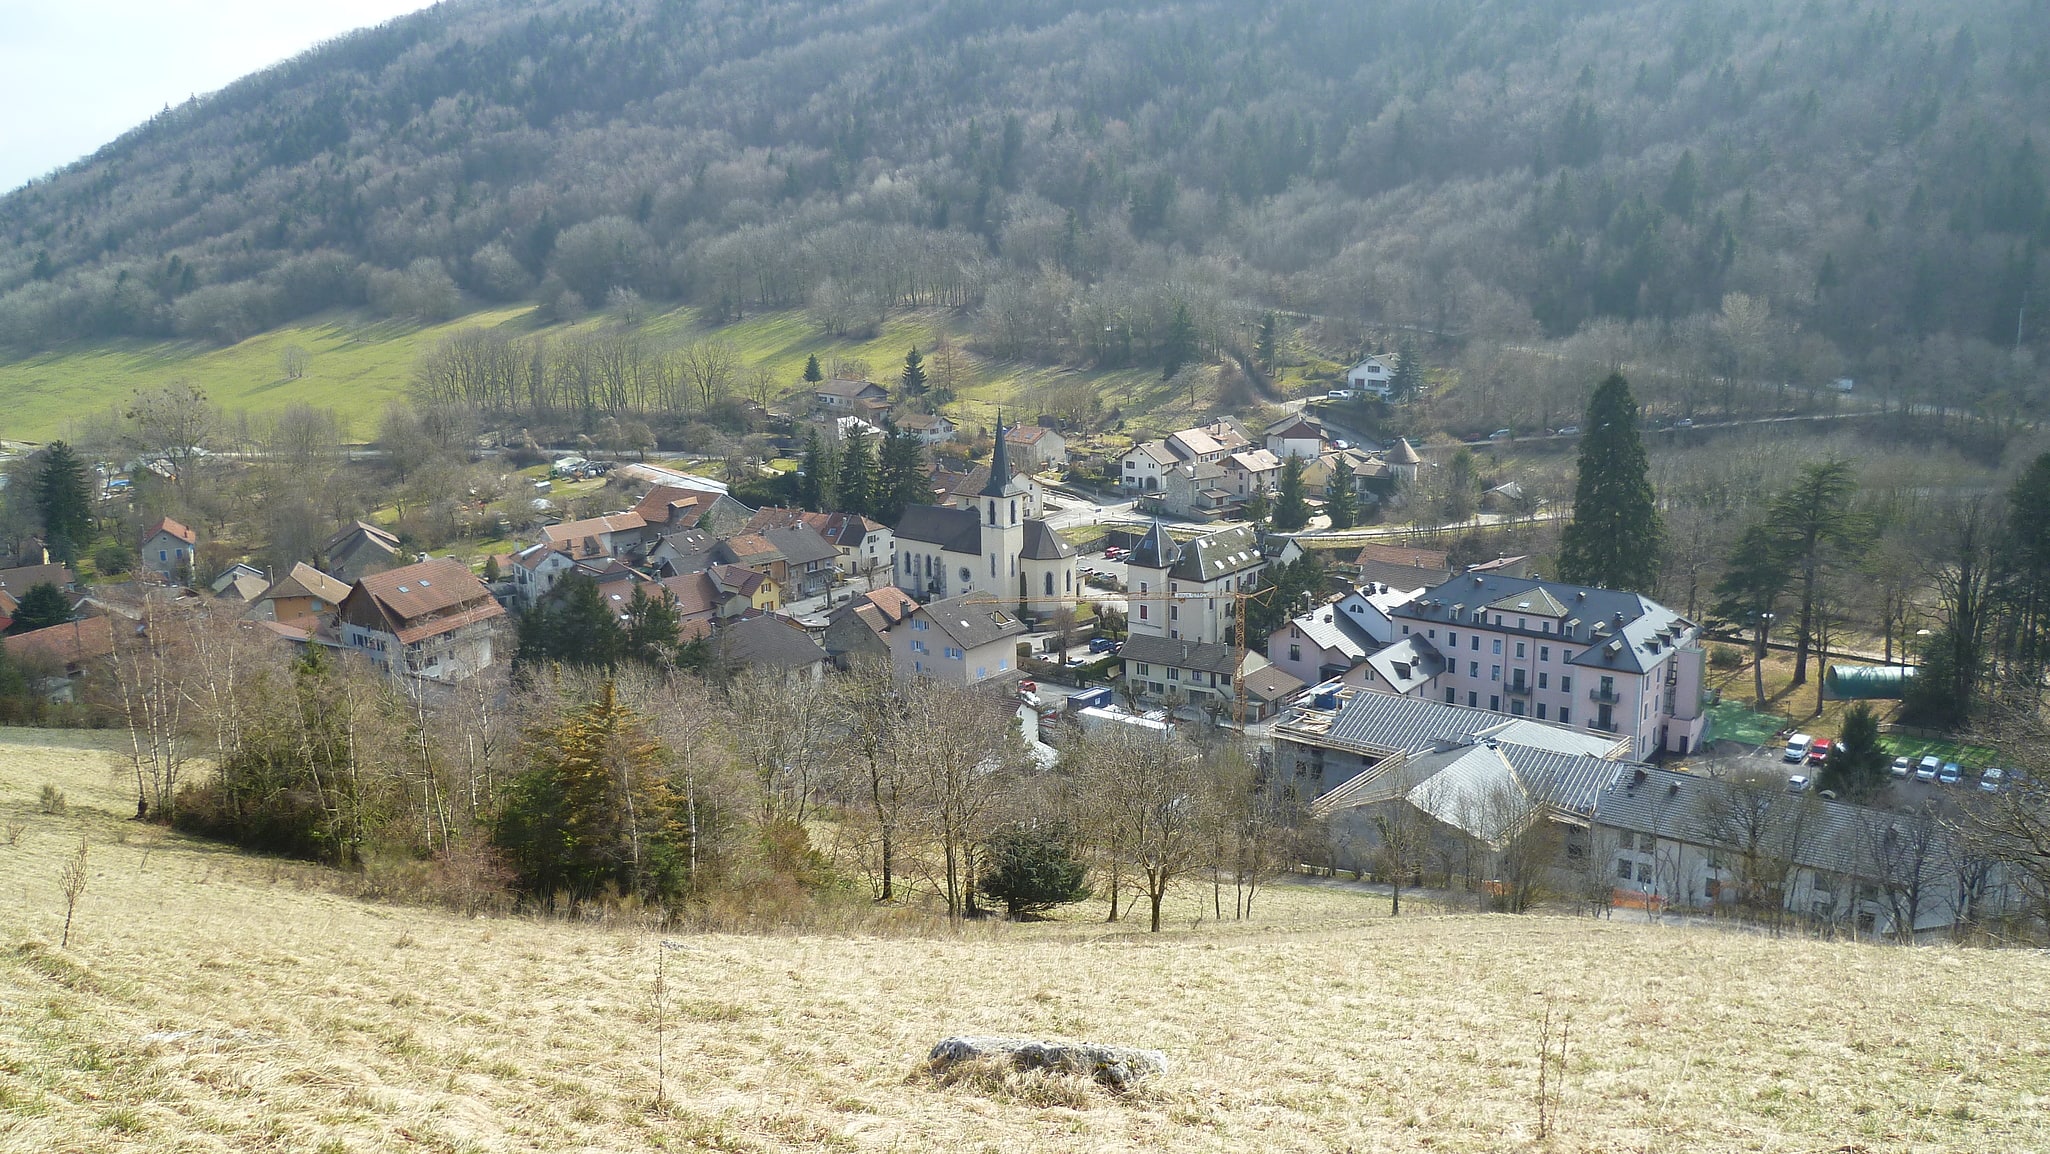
(1372, 375)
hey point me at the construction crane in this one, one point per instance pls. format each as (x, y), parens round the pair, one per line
(1239, 598)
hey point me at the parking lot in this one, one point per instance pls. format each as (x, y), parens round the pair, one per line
(1733, 760)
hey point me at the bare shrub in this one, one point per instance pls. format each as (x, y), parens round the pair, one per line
(51, 801)
(73, 877)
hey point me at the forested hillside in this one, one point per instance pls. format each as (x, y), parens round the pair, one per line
(1768, 190)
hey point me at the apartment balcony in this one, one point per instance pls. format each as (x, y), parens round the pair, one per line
(1608, 696)
(1519, 689)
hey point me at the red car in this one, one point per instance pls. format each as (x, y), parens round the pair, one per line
(1818, 751)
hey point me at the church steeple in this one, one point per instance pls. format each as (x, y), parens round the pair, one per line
(999, 465)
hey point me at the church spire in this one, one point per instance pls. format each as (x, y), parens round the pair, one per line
(1000, 464)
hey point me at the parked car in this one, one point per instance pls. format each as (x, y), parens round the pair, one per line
(1684, 423)
(1989, 781)
(1569, 430)
(1338, 395)
(1819, 752)
(1798, 783)
(1950, 774)
(1925, 770)
(1101, 644)
(1797, 747)
(1500, 435)
(1902, 766)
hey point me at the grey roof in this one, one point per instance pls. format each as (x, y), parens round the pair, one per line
(970, 621)
(1492, 789)
(1329, 629)
(1042, 543)
(1156, 550)
(769, 641)
(1408, 663)
(801, 544)
(1608, 628)
(1384, 723)
(954, 530)
(1215, 556)
(1207, 656)
(1705, 811)
(1271, 683)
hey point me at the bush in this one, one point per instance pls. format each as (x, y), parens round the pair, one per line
(113, 559)
(52, 800)
(1725, 657)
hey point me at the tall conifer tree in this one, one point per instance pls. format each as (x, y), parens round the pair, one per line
(1615, 537)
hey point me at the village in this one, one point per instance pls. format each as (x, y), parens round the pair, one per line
(1428, 716)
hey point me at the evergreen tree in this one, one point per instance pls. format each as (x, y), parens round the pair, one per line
(42, 606)
(1856, 765)
(901, 477)
(1462, 487)
(1341, 504)
(64, 498)
(914, 373)
(1259, 508)
(1291, 500)
(575, 626)
(2023, 568)
(1816, 527)
(818, 474)
(1748, 595)
(1180, 346)
(1032, 869)
(1265, 350)
(652, 625)
(812, 373)
(858, 474)
(1286, 590)
(1615, 538)
(1407, 379)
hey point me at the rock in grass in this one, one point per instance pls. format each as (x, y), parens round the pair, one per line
(1118, 1067)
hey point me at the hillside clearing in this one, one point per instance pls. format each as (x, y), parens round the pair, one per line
(211, 1001)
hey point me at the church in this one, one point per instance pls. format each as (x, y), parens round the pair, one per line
(990, 547)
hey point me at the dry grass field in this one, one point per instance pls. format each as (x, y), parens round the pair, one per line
(210, 1001)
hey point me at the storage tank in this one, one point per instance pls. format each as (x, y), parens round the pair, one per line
(1868, 682)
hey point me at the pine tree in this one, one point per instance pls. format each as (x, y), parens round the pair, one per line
(1615, 538)
(858, 474)
(1180, 346)
(652, 626)
(1291, 502)
(1032, 869)
(818, 481)
(1408, 378)
(914, 373)
(900, 477)
(1856, 765)
(1817, 526)
(2024, 574)
(64, 498)
(812, 373)
(1264, 352)
(1341, 504)
(1258, 507)
(42, 606)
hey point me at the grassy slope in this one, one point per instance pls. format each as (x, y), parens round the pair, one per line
(214, 1002)
(357, 365)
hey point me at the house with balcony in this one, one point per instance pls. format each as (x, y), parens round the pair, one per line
(1601, 660)
(432, 620)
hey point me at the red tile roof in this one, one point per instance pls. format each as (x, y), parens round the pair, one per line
(71, 644)
(166, 525)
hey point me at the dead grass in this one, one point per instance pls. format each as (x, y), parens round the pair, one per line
(212, 1002)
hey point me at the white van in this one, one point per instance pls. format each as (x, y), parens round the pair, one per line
(1798, 745)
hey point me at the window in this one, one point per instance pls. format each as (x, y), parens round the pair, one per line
(1519, 649)
(1174, 613)
(1623, 868)
(1497, 648)
(1522, 623)
(917, 646)
(1565, 716)
(1494, 703)
(1473, 699)
(1544, 653)
(919, 625)
(1542, 678)
(953, 654)
(1566, 655)
(1173, 674)
(1295, 653)
(1142, 611)
(981, 671)
(1473, 669)
(1498, 618)
(1452, 639)
(1548, 627)
(1647, 842)
(1049, 583)
(1643, 871)
(1144, 671)
(1565, 683)
(1516, 708)
(1430, 633)
(1541, 711)
(1476, 643)
(1449, 691)
(1405, 631)
(967, 576)
(1494, 673)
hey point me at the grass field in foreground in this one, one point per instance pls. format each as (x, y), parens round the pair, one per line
(213, 1002)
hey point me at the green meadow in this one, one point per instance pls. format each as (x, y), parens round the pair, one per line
(355, 365)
